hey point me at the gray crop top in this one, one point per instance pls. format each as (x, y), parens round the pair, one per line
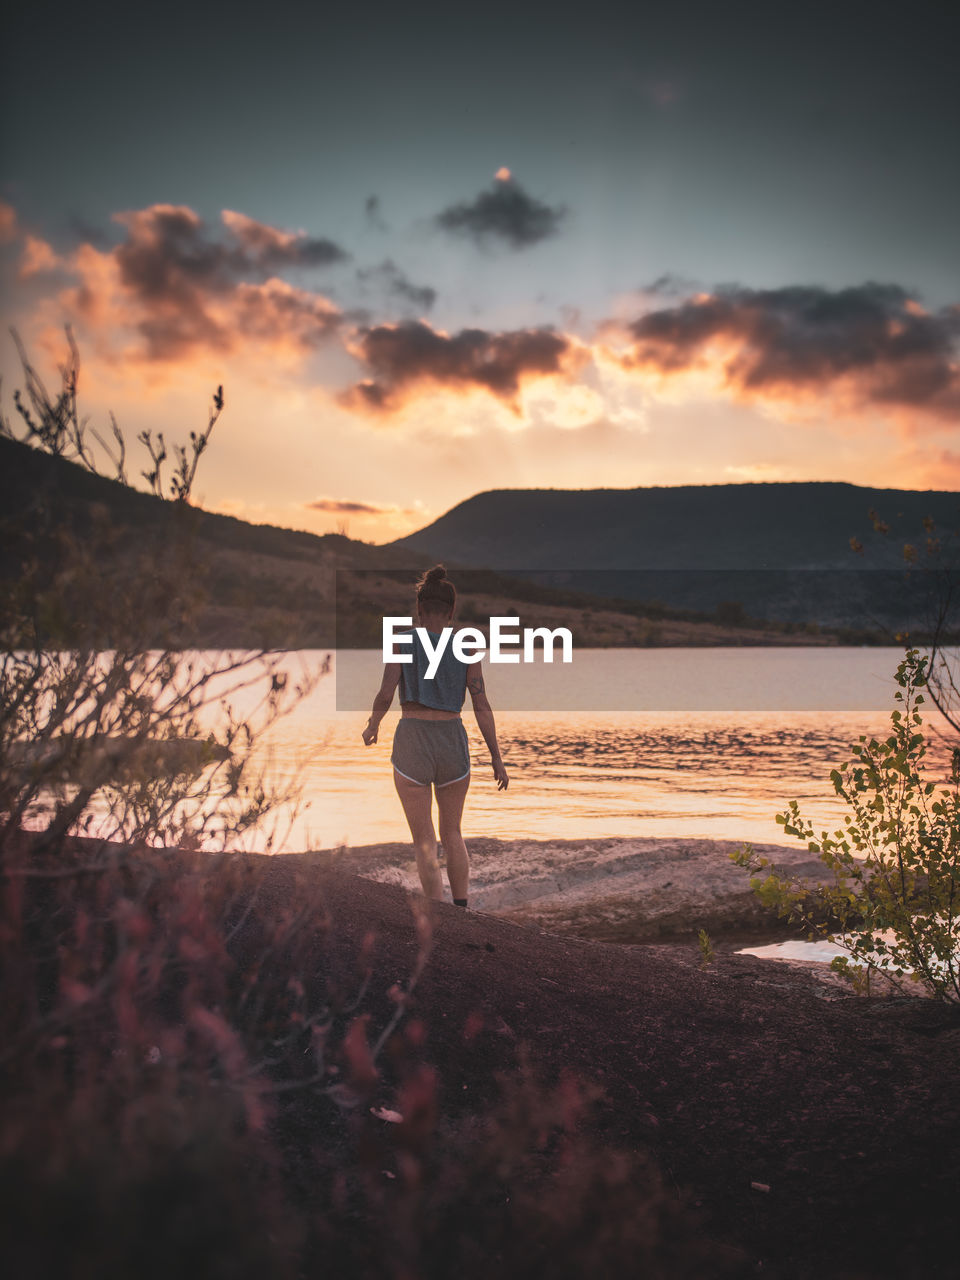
(448, 688)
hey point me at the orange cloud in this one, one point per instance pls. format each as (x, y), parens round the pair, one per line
(855, 357)
(280, 314)
(38, 256)
(171, 290)
(8, 223)
(177, 298)
(258, 236)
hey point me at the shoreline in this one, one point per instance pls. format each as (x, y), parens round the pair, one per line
(615, 889)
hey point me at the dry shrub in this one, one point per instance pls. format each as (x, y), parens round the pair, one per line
(156, 1005)
(189, 1073)
(522, 1189)
(198, 1082)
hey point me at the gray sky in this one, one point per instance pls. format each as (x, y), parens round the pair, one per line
(761, 146)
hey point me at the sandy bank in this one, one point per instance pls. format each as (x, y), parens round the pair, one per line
(613, 890)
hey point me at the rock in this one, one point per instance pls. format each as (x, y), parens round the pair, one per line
(611, 890)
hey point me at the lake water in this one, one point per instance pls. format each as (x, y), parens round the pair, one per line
(626, 742)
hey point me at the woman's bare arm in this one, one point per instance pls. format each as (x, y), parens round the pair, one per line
(485, 722)
(381, 703)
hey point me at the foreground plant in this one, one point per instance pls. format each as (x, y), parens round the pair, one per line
(160, 1013)
(894, 902)
(157, 1002)
(111, 724)
(196, 1076)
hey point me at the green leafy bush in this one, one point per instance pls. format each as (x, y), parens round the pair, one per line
(894, 900)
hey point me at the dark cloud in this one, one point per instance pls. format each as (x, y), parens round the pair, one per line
(185, 289)
(266, 248)
(400, 356)
(168, 253)
(169, 335)
(374, 214)
(671, 285)
(167, 256)
(338, 506)
(369, 395)
(874, 338)
(388, 277)
(504, 212)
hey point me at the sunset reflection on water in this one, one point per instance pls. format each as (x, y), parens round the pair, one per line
(719, 774)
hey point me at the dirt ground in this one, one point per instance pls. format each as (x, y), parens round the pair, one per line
(818, 1133)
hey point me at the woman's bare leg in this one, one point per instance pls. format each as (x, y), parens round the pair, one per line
(450, 804)
(417, 804)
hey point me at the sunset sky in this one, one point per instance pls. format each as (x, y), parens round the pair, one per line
(432, 250)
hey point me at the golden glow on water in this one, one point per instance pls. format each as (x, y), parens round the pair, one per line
(579, 775)
(720, 774)
(697, 744)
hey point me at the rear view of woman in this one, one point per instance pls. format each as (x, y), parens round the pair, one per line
(430, 748)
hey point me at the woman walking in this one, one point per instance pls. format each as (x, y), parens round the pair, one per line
(430, 743)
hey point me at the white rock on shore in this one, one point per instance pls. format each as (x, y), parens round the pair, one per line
(618, 890)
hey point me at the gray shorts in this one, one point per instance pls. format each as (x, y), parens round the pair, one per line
(428, 751)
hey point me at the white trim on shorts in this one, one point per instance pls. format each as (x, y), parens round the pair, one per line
(438, 785)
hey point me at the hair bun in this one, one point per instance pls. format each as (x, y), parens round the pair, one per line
(436, 588)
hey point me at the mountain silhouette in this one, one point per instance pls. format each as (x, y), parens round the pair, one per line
(768, 550)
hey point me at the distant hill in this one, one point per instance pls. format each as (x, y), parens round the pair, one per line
(775, 550)
(266, 585)
(728, 526)
(26, 472)
(270, 585)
